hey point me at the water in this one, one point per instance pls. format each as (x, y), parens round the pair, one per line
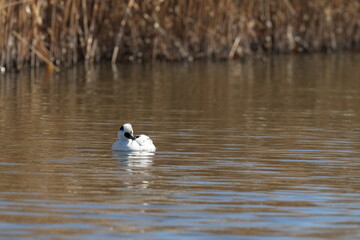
(256, 150)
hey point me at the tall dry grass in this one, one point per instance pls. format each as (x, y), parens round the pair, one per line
(63, 32)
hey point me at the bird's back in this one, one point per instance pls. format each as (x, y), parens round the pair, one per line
(145, 143)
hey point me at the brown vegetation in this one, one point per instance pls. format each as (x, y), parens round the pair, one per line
(64, 32)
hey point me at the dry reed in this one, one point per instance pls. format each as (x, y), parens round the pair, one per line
(61, 33)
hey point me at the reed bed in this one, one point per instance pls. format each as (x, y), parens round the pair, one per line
(61, 33)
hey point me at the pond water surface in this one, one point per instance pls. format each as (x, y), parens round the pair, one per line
(255, 150)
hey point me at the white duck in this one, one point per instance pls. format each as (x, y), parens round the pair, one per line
(128, 142)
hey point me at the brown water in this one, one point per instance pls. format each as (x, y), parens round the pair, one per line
(258, 150)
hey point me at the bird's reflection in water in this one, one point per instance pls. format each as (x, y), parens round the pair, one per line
(138, 165)
(134, 159)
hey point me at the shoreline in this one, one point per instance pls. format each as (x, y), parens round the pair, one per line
(60, 34)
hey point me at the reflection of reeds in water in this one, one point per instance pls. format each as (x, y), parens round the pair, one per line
(62, 33)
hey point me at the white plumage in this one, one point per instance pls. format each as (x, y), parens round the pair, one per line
(128, 142)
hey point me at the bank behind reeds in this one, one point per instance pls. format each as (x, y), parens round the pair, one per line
(63, 32)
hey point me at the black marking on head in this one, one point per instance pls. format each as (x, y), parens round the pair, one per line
(129, 136)
(137, 136)
(122, 128)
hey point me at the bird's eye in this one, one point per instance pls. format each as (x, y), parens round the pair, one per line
(122, 128)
